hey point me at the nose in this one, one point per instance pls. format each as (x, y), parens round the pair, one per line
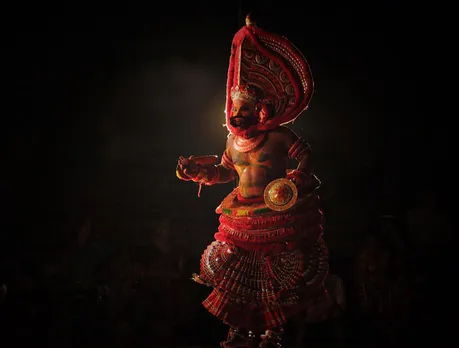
(240, 112)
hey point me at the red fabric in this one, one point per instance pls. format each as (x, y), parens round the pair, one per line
(260, 318)
(256, 291)
(277, 232)
(265, 269)
(242, 199)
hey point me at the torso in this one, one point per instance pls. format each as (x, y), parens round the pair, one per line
(260, 166)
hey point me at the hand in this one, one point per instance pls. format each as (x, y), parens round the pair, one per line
(299, 178)
(187, 169)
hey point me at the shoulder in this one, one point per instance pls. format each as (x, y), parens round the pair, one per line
(229, 140)
(229, 144)
(284, 134)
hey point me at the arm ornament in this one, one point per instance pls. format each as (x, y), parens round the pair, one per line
(226, 161)
(299, 149)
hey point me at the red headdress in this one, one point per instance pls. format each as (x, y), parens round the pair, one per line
(272, 68)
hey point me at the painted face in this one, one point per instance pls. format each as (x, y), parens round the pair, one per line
(243, 114)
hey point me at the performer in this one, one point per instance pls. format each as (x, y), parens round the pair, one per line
(268, 261)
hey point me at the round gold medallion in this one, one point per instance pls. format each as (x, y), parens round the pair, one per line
(280, 194)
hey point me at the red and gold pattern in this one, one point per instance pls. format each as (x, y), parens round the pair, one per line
(280, 194)
(252, 289)
(264, 266)
(255, 226)
(275, 68)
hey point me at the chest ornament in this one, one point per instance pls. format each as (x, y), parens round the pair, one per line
(245, 145)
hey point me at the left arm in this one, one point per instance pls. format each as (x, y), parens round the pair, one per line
(298, 150)
(301, 152)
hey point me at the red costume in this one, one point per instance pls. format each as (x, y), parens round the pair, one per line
(268, 261)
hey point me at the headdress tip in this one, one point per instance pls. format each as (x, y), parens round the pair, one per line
(249, 21)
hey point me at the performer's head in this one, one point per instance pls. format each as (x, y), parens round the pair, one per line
(247, 110)
(243, 113)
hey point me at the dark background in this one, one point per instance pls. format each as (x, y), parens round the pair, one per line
(103, 105)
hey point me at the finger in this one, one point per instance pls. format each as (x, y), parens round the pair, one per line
(183, 160)
(190, 172)
(181, 174)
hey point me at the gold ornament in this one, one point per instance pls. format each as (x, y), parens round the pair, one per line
(280, 194)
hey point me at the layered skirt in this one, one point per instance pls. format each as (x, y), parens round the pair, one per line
(265, 267)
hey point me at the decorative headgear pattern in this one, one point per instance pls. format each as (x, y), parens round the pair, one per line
(275, 68)
(243, 92)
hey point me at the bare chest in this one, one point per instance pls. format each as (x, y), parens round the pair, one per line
(267, 155)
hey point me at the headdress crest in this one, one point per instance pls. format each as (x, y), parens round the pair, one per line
(275, 68)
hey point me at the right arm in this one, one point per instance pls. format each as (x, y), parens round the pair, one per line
(226, 169)
(208, 174)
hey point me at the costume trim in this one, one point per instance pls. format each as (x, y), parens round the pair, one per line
(245, 145)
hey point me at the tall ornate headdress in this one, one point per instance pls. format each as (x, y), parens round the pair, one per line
(275, 68)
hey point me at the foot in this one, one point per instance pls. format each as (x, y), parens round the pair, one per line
(238, 339)
(271, 339)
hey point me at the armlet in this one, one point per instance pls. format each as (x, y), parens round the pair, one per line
(226, 161)
(299, 149)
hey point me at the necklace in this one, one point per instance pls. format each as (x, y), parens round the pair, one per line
(245, 145)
